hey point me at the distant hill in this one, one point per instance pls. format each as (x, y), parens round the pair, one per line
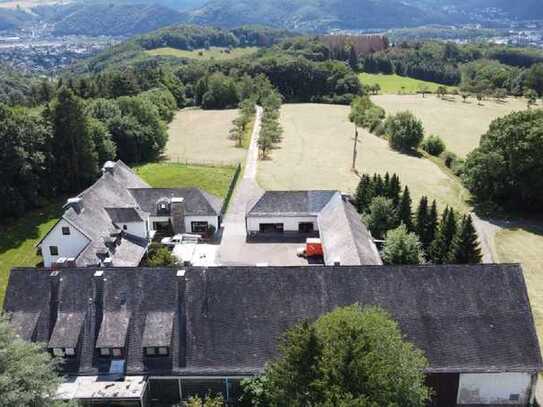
(12, 18)
(109, 18)
(313, 15)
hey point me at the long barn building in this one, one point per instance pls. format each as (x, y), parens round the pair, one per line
(136, 336)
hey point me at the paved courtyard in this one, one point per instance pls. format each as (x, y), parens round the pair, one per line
(234, 248)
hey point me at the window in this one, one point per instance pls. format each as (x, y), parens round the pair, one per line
(105, 352)
(117, 353)
(154, 351)
(305, 227)
(150, 351)
(163, 351)
(271, 228)
(53, 250)
(66, 230)
(199, 227)
(58, 352)
(70, 352)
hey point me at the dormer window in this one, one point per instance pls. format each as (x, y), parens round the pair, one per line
(163, 207)
(157, 351)
(63, 352)
(111, 352)
(66, 231)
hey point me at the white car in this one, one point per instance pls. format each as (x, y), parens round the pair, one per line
(180, 239)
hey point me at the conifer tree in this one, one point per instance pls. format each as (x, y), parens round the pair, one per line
(405, 214)
(421, 220)
(378, 185)
(431, 226)
(395, 189)
(386, 186)
(76, 162)
(442, 245)
(364, 194)
(466, 249)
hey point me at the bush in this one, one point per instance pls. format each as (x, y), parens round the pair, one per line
(159, 256)
(452, 161)
(402, 247)
(405, 132)
(379, 130)
(433, 145)
(382, 216)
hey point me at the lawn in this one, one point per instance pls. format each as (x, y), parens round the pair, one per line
(214, 180)
(316, 153)
(201, 136)
(459, 124)
(216, 53)
(18, 240)
(525, 245)
(395, 84)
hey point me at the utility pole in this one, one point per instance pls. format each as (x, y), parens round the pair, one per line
(355, 148)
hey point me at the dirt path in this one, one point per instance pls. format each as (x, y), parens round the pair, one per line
(486, 231)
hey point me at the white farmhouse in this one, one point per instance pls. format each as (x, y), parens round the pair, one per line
(113, 221)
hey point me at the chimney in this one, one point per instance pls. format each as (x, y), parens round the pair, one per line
(54, 286)
(178, 215)
(181, 316)
(108, 167)
(98, 281)
(74, 203)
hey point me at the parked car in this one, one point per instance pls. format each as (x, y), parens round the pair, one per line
(180, 239)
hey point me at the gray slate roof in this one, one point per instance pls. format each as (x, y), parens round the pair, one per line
(227, 320)
(291, 203)
(196, 202)
(124, 215)
(344, 237)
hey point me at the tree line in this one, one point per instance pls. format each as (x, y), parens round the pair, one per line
(61, 149)
(476, 68)
(414, 237)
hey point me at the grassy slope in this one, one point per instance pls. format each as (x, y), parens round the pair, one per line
(202, 136)
(392, 84)
(311, 130)
(459, 124)
(216, 53)
(214, 180)
(17, 240)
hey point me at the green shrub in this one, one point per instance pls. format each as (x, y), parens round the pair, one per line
(433, 145)
(379, 130)
(405, 132)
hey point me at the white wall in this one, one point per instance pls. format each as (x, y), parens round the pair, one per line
(290, 223)
(495, 388)
(135, 228)
(68, 245)
(212, 220)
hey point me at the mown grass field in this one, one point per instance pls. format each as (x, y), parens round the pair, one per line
(395, 84)
(459, 124)
(18, 240)
(213, 179)
(216, 53)
(525, 245)
(316, 153)
(201, 136)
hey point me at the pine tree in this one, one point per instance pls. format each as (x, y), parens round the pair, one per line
(442, 245)
(431, 226)
(395, 189)
(405, 214)
(386, 186)
(364, 194)
(466, 249)
(378, 185)
(76, 161)
(421, 221)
